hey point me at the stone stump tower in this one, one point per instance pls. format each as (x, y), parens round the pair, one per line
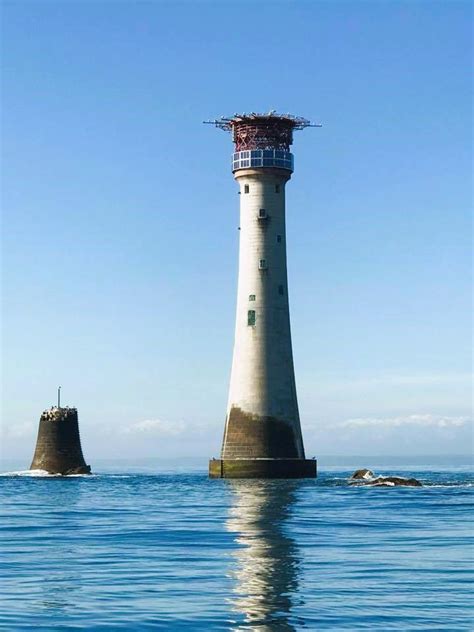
(58, 447)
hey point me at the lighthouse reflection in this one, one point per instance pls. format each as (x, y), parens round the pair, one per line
(267, 559)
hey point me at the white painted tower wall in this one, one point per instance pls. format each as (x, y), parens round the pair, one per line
(262, 380)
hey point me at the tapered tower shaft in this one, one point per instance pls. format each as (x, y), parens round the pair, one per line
(262, 436)
(262, 414)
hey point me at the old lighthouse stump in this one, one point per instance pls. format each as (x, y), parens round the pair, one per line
(58, 447)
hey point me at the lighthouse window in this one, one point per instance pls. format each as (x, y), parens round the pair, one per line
(251, 297)
(262, 213)
(277, 188)
(262, 264)
(251, 318)
(280, 290)
(279, 239)
(246, 188)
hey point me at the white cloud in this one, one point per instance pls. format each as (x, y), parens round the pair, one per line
(437, 421)
(156, 427)
(20, 431)
(420, 379)
(395, 380)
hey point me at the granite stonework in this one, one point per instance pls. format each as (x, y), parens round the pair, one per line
(253, 436)
(262, 468)
(58, 447)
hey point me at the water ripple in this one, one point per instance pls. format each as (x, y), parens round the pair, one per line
(176, 551)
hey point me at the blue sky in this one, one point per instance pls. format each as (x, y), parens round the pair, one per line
(120, 219)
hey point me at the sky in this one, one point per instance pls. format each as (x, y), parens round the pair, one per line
(120, 216)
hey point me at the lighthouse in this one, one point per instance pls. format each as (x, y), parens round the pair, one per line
(262, 435)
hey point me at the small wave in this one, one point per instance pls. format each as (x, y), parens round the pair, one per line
(42, 474)
(31, 473)
(450, 485)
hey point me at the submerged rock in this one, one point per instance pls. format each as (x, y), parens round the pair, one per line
(367, 477)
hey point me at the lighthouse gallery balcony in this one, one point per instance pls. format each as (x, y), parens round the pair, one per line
(262, 158)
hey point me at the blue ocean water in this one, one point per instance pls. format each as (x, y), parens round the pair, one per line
(176, 551)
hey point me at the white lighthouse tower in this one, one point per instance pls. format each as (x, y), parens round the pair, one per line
(262, 436)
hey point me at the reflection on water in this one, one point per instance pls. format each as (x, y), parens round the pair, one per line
(267, 560)
(143, 552)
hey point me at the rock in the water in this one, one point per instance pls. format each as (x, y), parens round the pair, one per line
(362, 474)
(392, 481)
(367, 477)
(82, 469)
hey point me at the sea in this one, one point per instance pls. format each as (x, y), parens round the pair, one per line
(164, 548)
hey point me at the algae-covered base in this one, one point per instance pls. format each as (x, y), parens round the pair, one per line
(262, 468)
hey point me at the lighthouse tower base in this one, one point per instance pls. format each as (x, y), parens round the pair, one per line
(262, 468)
(58, 447)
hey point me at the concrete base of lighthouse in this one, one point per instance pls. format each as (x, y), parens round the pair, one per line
(58, 447)
(262, 468)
